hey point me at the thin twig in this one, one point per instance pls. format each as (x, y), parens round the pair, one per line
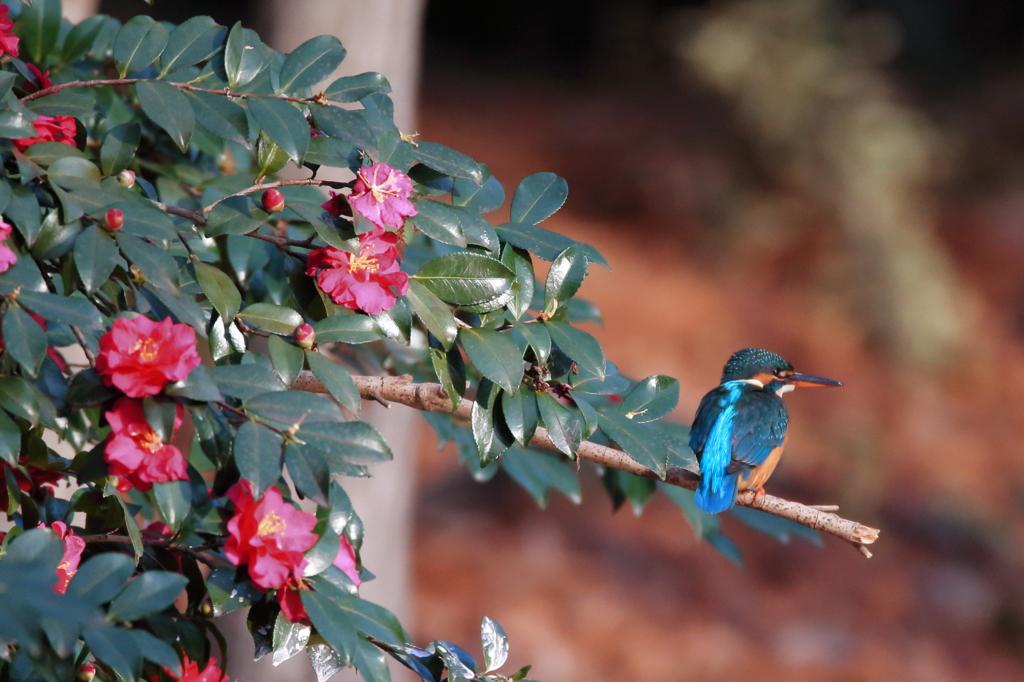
(181, 86)
(333, 184)
(211, 561)
(240, 413)
(433, 398)
(85, 346)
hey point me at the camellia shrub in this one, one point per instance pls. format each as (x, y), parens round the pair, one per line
(186, 340)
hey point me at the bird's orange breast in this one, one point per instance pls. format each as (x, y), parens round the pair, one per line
(760, 474)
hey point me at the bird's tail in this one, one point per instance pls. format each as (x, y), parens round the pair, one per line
(717, 491)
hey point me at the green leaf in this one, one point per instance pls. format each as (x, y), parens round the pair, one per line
(578, 345)
(545, 244)
(448, 161)
(18, 398)
(438, 221)
(495, 644)
(271, 318)
(537, 337)
(119, 147)
(107, 644)
(5, 192)
(336, 379)
(15, 124)
(333, 624)
(477, 229)
(495, 355)
(226, 595)
(218, 287)
(81, 37)
(45, 153)
(289, 639)
(465, 278)
(173, 501)
(76, 102)
(156, 264)
(653, 398)
(564, 278)
(310, 63)
(10, 440)
(168, 108)
(24, 339)
(538, 197)
(192, 41)
(101, 578)
(258, 456)
(350, 442)
(156, 650)
(283, 123)
(244, 56)
(68, 170)
(150, 592)
(309, 471)
(703, 524)
(350, 126)
(451, 372)
(521, 414)
(328, 151)
(538, 473)
(640, 441)
(434, 313)
(287, 359)
(131, 526)
(480, 198)
(288, 408)
(235, 215)
(220, 116)
(67, 309)
(356, 88)
(23, 209)
(612, 383)
(38, 26)
(564, 425)
(198, 385)
(245, 381)
(346, 327)
(138, 44)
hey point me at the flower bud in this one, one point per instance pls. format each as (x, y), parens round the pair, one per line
(273, 201)
(114, 219)
(126, 178)
(205, 609)
(86, 673)
(304, 336)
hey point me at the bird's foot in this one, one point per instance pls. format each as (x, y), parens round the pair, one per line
(759, 494)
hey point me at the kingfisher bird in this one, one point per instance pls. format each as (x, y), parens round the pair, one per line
(740, 428)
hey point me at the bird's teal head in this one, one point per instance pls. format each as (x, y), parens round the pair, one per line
(772, 371)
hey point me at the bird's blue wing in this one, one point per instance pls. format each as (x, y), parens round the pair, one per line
(758, 427)
(711, 406)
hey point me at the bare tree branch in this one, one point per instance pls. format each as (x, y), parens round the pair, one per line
(433, 398)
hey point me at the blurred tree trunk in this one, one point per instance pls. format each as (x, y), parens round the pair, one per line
(76, 10)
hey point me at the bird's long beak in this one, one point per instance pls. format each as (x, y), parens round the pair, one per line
(810, 381)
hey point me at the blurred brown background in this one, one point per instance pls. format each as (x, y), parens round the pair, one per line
(840, 182)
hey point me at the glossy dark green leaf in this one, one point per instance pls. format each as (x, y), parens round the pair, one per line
(356, 88)
(258, 456)
(477, 229)
(15, 124)
(328, 151)
(587, 382)
(138, 44)
(220, 116)
(168, 108)
(236, 215)
(310, 63)
(173, 501)
(283, 123)
(653, 398)
(10, 439)
(451, 372)
(480, 198)
(244, 56)
(564, 425)
(537, 337)
(448, 161)
(77, 102)
(333, 624)
(67, 309)
(538, 473)
(521, 414)
(543, 243)
(130, 525)
(578, 345)
(287, 359)
(640, 441)
(119, 147)
(121, 654)
(370, 661)
(352, 442)
(156, 650)
(198, 385)
(289, 639)
(564, 278)
(343, 124)
(38, 26)
(490, 435)
(434, 313)
(219, 289)
(81, 37)
(269, 157)
(495, 644)
(156, 264)
(288, 408)
(268, 317)
(495, 355)
(336, 379)
(309, 471)
(5, 193)
(226, 595)
(347, 328)
(465, 278)
(69, 171)
(23, 209)
(183, 309)
(148, 593)
(24, 340)
(538, 197)
(192, 41)
(438, 221)
(100, 578)
(45, 153)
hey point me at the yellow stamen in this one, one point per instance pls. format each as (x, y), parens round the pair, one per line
(377, 191)
(366, 260)
(150, 441)
(271, 524)
(148, 349)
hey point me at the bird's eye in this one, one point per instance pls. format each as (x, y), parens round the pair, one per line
(777, 371)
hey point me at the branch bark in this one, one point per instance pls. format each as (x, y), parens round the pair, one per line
(433, 398)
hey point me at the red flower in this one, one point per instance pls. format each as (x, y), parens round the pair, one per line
(381, 194)
(140, 356)
(361, 282)
(289, 595)
(73, 548)
(136, 454)
(346, 561)
(8, 41)
(336, 205)
(190, 672)
(50, 129)
(40, 82)
(270, 536)
(7, 257)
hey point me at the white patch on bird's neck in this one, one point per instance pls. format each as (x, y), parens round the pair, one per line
(785, 388)
(752, 382)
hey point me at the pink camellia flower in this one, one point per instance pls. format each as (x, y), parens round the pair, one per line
(141, 357)
(361, 282)
(40, 82)
(73, 548)
(190, 672)
(289, 595)
(7, 257)
(381, 194)
(346, 561)
(8, 41)
(49, 129)
(136, 454)
(270, 536)
(336, 205)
